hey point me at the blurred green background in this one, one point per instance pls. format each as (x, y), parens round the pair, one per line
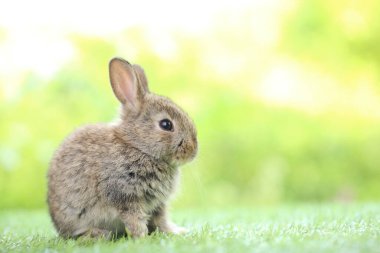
(285, 94)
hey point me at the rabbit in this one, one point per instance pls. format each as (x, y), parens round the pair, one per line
(115, 179)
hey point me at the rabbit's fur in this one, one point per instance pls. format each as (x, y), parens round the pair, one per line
(108, 180)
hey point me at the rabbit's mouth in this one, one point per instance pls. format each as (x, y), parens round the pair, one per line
(178, 161)
(185, 152)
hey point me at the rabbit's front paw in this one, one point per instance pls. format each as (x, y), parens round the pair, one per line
(136, 230)
(177, 230)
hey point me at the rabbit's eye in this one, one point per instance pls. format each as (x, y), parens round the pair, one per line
(166, 125)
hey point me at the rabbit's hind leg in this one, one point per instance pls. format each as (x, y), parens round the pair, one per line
(95, 233)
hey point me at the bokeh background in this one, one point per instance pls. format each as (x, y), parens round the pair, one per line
(285, 94)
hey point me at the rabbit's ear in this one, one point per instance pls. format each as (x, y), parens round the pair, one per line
(125, 83)
(143, 81)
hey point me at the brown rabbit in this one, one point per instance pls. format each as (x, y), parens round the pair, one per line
(108, 180)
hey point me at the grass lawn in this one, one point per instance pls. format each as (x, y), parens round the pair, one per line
(299, 228)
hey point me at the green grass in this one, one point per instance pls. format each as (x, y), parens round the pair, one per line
(298, 228)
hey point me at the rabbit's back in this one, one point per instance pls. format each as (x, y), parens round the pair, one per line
(74, 172)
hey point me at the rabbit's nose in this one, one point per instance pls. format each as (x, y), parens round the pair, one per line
(194, 141)
(193, 144)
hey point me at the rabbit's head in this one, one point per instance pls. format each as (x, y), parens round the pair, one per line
(151, 123)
